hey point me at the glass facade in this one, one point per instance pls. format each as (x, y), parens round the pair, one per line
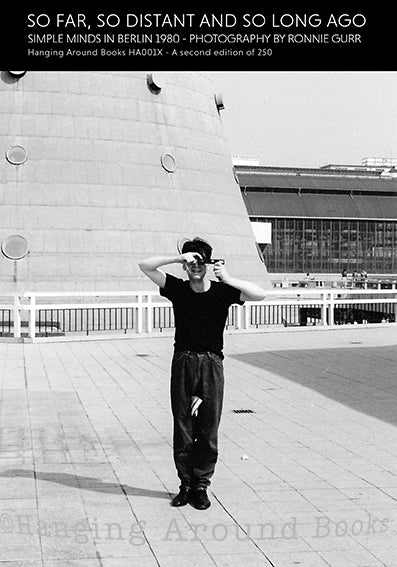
(330, 245)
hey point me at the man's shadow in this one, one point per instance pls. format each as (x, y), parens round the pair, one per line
(86, 483)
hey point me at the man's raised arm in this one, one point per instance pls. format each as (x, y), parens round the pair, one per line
(151, 266)
(249, 291)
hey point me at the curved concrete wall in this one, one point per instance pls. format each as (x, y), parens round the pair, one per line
(93, 197)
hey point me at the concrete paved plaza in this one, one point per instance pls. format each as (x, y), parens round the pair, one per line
(307, 477)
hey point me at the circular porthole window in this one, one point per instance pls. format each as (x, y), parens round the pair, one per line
(156, 81)
(168, 162)
(17, 73)
(17, 155)
(15, 247)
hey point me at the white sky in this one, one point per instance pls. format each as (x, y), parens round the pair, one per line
(309, 119)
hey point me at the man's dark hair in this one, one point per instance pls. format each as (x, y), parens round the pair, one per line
(198, 245)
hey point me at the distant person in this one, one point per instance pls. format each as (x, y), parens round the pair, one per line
(201, 308)
(344, 277)
(364, 275)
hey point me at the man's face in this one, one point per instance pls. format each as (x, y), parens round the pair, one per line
(195, 270)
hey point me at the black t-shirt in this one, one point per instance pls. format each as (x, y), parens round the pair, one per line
(200, 318)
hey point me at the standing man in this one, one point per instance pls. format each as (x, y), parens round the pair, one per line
(201, 308)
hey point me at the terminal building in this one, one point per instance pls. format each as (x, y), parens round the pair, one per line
(323, 220)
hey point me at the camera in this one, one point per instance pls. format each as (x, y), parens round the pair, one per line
(215, 260)
(212, 261)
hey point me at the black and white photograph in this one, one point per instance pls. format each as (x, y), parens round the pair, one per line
(198, 287)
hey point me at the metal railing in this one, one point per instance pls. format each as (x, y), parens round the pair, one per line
(10, 315)
(349, 282)
(41, 314)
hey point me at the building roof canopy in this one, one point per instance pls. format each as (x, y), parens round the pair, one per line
(320, 206)
(318, 193)
(302, 181)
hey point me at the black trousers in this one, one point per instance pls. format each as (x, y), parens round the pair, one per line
(195, 440)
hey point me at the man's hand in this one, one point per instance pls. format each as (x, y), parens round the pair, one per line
(190, 257)
(220, 272)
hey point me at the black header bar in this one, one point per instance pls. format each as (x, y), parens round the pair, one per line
(269, 38)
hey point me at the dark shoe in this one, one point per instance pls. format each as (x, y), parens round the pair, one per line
(199, 499)
(182, 498)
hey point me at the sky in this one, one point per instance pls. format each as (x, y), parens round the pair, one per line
(309, 119)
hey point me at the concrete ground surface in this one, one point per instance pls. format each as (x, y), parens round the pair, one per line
(307, 474)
